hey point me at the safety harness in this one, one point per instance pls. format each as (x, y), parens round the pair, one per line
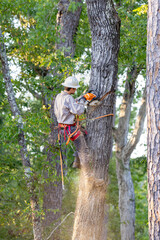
(67, 130)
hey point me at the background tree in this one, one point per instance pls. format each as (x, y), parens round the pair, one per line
(37, 230)
(134, 17)
(153, 114)
(138, 167)
(124, 150)
(67, 22)
(32, 37)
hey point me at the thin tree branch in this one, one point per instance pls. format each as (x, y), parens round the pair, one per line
(59, 225)
(134, 139)
(114, 133)
(125, 108)
(35, 94)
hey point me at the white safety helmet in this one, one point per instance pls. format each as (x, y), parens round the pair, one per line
(71, 82)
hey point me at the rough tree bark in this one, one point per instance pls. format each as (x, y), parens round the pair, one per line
(124, 149)
(37, 230)
(67, 22)
(89, 216)
(153, 117)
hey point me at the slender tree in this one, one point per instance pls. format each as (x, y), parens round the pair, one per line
(132, 63)
(89, 216)
(67, 24)
(37, 229)
(153, 117)
(124, 148)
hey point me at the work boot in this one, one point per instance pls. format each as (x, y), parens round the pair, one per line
(76, 163)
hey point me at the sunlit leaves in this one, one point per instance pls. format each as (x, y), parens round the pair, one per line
(74, 5)
(141, 10)
(133, 35)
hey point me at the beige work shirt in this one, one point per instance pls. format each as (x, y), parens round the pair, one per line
(66, 108)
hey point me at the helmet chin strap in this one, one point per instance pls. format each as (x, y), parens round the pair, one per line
(70, 91)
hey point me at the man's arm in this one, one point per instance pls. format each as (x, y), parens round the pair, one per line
(76, 108)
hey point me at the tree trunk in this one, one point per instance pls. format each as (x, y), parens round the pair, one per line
(52, 200)
(36, 219)
(37, 230)
(124, 149)
(125, 184)
(153, 118)
(89, 216)
(67, 22)
(126, 199)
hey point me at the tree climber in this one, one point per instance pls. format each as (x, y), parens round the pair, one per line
(66, 108)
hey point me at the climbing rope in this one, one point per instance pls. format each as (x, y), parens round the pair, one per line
(61, 160)
(91, 119)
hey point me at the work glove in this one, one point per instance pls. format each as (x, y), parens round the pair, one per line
(83, 101)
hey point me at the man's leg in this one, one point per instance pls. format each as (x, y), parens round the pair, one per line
(76, 163)
(82, 150)
(80, 144)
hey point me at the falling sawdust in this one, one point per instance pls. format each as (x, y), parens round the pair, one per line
(89, 214)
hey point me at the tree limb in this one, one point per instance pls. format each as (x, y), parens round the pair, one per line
(134, 139)
(125, 108)
(114, 133)
(68, 18)
(34, 93)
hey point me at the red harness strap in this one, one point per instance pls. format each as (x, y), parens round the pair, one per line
(76, 135)
(71, 136)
